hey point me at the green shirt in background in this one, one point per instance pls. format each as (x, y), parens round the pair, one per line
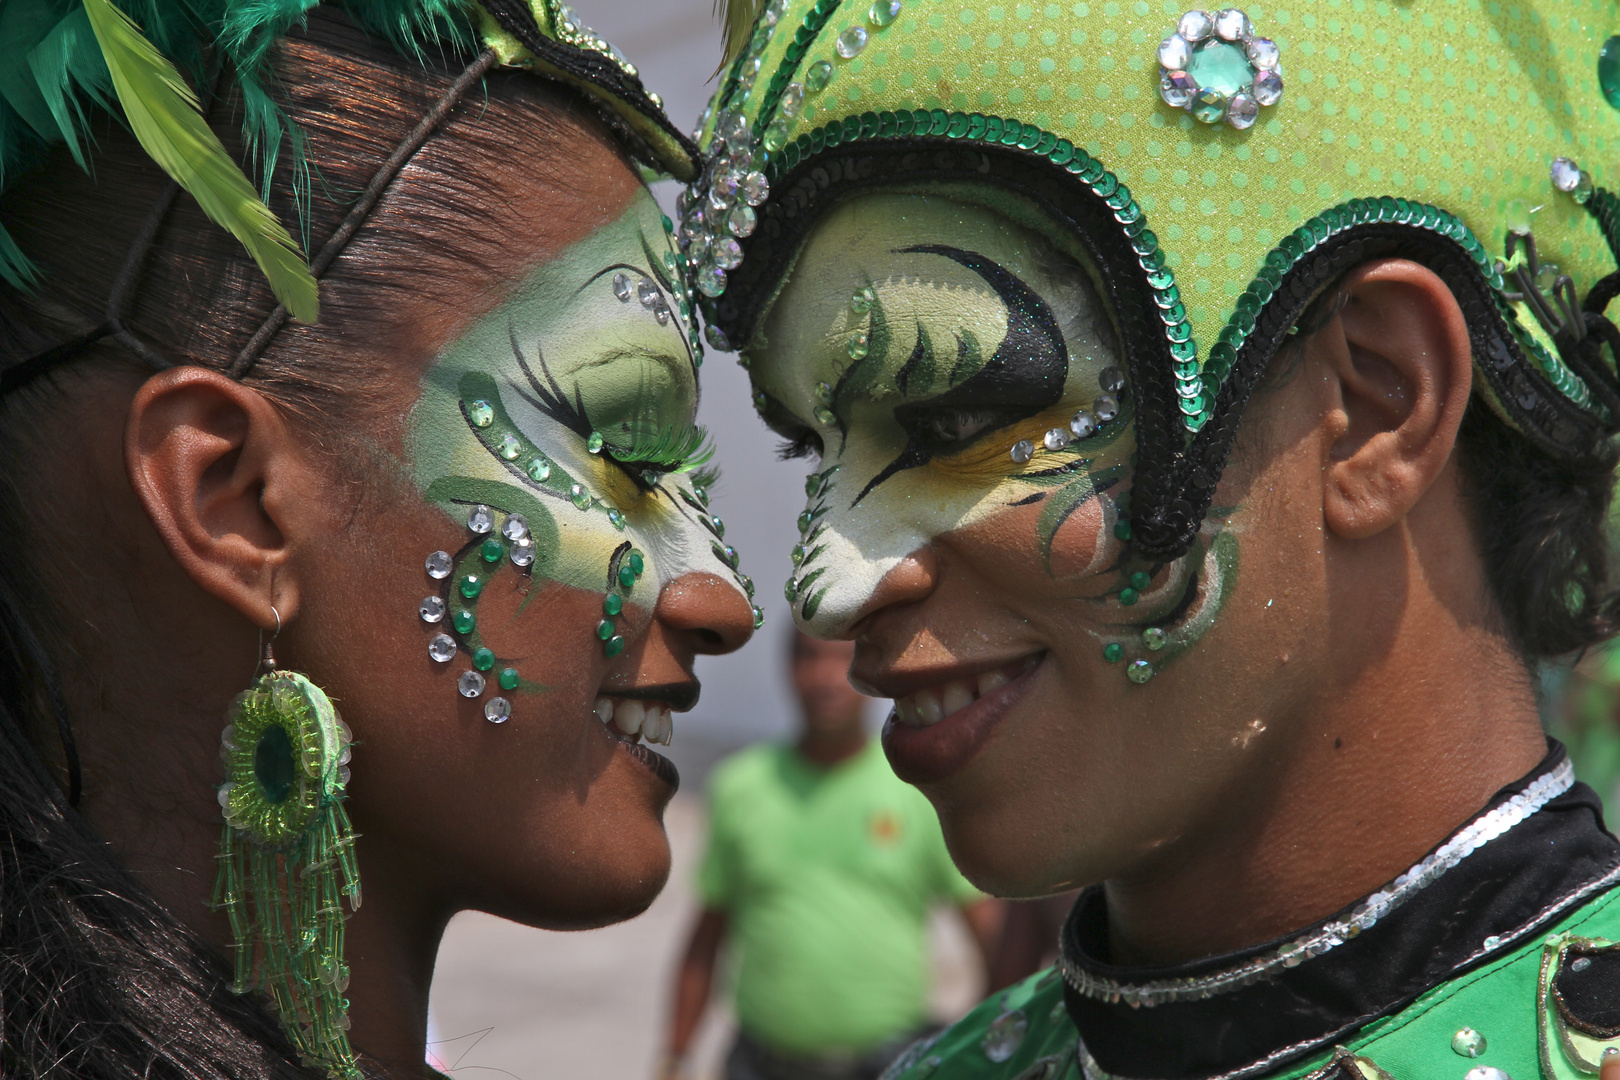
(826, 876)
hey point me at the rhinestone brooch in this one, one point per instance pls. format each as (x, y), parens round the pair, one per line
(1215, 68)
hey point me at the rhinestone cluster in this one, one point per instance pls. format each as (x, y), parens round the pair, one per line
(1215, 68)
(462, 578)
(571, 29)
(720, 207)
(1463, 843)
(1571, 179)
(624, 570)
(1083, 424)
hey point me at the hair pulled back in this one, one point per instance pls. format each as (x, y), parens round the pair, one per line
(97, 980)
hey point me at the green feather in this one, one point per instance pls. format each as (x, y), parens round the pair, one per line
(65, 61)
(737, 18)
(163, 113)
(23, 24)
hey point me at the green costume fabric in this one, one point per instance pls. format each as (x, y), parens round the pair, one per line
(1026, 1033)
(827, 876)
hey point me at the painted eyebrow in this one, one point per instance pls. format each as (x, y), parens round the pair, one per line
(608, 270)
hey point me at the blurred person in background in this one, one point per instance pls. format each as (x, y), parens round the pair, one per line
(821, 869)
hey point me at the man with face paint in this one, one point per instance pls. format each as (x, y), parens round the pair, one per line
(1202, 470)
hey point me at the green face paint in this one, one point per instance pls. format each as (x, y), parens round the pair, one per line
(568, 415)
(949, 364)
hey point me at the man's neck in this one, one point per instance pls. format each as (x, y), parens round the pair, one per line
(1419, 717)
(829, 748)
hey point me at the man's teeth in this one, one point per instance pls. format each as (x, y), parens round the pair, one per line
(651, 720)
(935, 703)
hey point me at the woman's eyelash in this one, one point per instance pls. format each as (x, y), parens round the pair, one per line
(801, 445)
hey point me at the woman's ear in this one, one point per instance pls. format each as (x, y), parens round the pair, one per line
(1400, 353)
(216, 469)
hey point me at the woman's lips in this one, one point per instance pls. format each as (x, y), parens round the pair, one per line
(629, 721)
(937, 730)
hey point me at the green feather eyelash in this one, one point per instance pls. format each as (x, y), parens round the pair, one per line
(668, 450)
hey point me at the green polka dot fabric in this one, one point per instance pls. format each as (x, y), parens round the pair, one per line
(1458, 106)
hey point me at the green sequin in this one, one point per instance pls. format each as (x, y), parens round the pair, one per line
(1608, 69)
(637, 563)
(491, 550)
(614, 646)
(508, 679)
(483, 659)
(471, 586)
(612, 603)
(604, 629)
(464, 621)
(1113, 652)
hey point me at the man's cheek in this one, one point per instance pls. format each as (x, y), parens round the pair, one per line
(1082, 544)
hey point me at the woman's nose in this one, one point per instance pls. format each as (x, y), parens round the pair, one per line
(707, 613)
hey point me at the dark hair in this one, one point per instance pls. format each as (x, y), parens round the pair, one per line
(97, 979)
(1541, 523)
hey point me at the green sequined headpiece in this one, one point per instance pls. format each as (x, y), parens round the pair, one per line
(63, 61)
(1221, 168)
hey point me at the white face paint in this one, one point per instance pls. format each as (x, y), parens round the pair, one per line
(919, 339)
(573, 404)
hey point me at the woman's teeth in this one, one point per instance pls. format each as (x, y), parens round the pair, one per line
(651, 720)
(934, 703)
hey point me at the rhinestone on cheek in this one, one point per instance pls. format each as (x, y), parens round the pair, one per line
(1139, 671)
(480, 519)
(431, 609)
(515, 527)
(471, 684)
(1055, 439)
(497, 710)
(621, 287)
(481, 413)
(1083, 425)
(442, 647)
(439, 565)
(523, 552)
(1022, 451)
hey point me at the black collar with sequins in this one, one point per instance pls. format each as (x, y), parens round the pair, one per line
(1534, 851)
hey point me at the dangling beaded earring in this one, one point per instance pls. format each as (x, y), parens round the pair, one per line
(287, 857)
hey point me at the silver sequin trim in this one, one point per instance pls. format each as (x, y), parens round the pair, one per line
(1482, 830)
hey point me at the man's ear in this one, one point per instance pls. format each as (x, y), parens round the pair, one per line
(1400, 352)
(211, 461)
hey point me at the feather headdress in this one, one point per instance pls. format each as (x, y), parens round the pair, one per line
(62, 60)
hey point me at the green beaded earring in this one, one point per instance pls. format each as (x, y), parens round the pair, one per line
(287, 858)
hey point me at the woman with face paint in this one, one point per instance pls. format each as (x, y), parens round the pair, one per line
(1203, 471)
(387, 568)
